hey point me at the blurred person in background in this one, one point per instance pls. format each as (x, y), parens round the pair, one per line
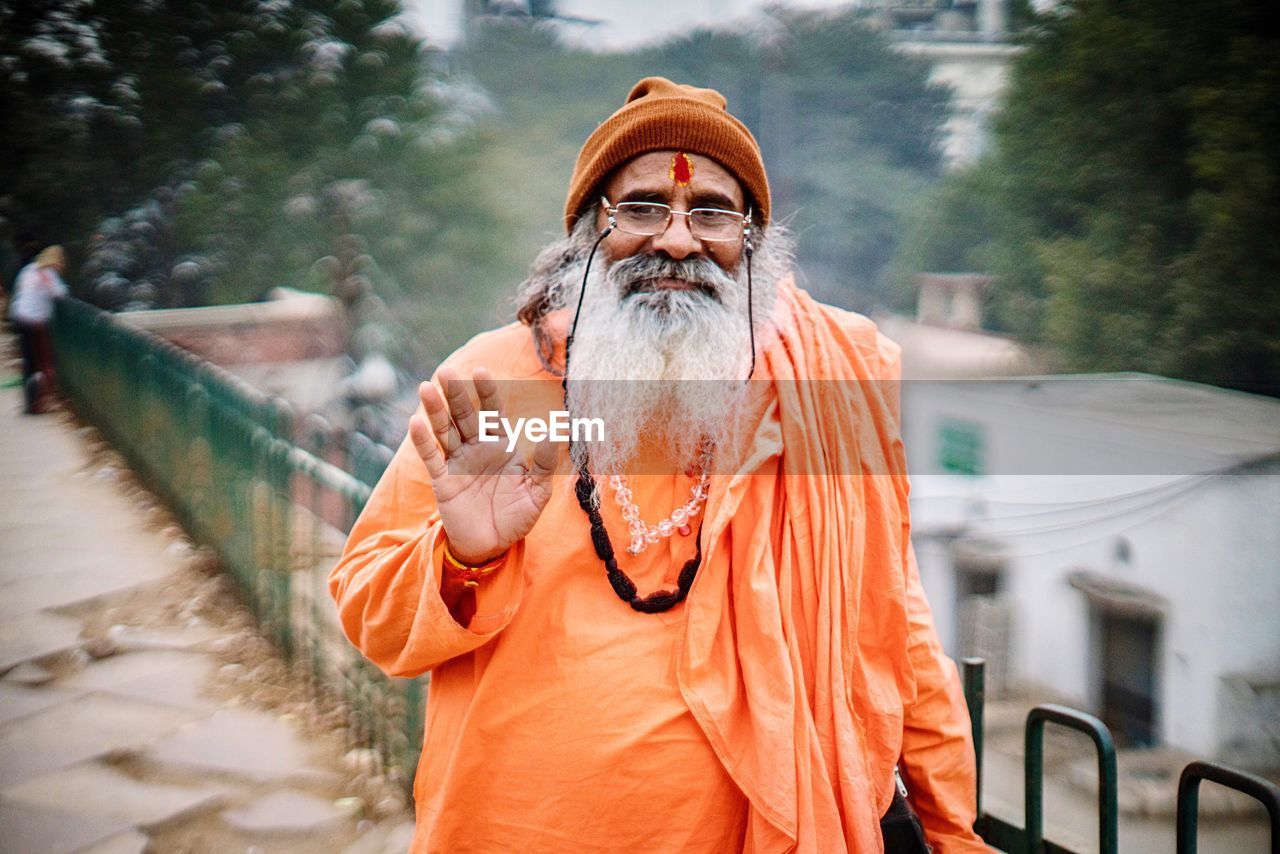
(23, 249)
(748, 673)
(37, 286)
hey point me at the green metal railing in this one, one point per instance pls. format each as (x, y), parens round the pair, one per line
(274, 502)
(1265, 792)
(1008, 837)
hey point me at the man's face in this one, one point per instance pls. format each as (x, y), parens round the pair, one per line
(664, 339)
(647, 178)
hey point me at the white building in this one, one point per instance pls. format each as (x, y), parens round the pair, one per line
(977, 73)
(1114, 539)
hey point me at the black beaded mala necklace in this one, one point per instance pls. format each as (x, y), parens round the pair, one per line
(656, 602)
(585, 488)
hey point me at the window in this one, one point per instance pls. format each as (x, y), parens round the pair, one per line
(960, 447)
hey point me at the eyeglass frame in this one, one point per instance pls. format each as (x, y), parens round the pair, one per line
(611, 211)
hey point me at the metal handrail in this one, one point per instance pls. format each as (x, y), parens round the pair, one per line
(228, 462)
(1008, 837)
(1108, 786)
(1264, 791)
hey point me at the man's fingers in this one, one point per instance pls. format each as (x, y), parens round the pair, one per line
(487, 391)
(438, 417)
(460, 408)
(427, 447)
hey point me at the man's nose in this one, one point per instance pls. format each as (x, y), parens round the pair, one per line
(677, 241)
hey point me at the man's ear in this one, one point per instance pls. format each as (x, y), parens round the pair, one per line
(595, 211)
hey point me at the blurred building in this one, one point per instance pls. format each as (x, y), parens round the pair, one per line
(967, 44)
(1110, 539)
(289, 326)
(945, 340)
(293, 345)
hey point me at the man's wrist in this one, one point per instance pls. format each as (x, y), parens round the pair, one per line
(469, 561)
(470, 570)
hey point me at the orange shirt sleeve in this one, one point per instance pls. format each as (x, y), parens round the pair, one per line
(937, 742)
(937, 760)
(387, 582)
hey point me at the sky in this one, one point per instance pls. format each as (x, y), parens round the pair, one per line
(624, 23)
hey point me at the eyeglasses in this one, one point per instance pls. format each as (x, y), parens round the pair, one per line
(647, 219)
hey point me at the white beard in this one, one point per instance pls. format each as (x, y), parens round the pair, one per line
(663, 368)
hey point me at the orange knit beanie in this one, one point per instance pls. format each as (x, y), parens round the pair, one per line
(662, 115)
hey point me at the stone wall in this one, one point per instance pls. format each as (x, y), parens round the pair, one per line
(290, 327)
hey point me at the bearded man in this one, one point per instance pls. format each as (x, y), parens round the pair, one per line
(745, 674)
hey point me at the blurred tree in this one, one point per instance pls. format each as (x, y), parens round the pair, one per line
(234, 146)
(1131, 209)
(71, 139)
(850, 130)
(848, 127)
(199, 151)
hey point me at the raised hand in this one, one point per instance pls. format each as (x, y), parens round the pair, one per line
(488, 498)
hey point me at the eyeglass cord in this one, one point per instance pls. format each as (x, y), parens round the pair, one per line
(582, 292)
(749, 249)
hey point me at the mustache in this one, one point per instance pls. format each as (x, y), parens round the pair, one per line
(641, 273)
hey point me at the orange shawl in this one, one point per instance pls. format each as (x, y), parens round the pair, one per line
(798, 669)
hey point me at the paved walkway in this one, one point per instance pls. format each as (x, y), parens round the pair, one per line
(138, 708)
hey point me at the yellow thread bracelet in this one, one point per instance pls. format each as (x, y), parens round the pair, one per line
(470, 575)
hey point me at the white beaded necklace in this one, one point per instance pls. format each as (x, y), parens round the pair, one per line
(642, 535)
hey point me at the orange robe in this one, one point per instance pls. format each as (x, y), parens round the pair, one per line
(765, 713)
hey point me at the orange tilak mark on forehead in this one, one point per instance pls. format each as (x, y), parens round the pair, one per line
(681, 169)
